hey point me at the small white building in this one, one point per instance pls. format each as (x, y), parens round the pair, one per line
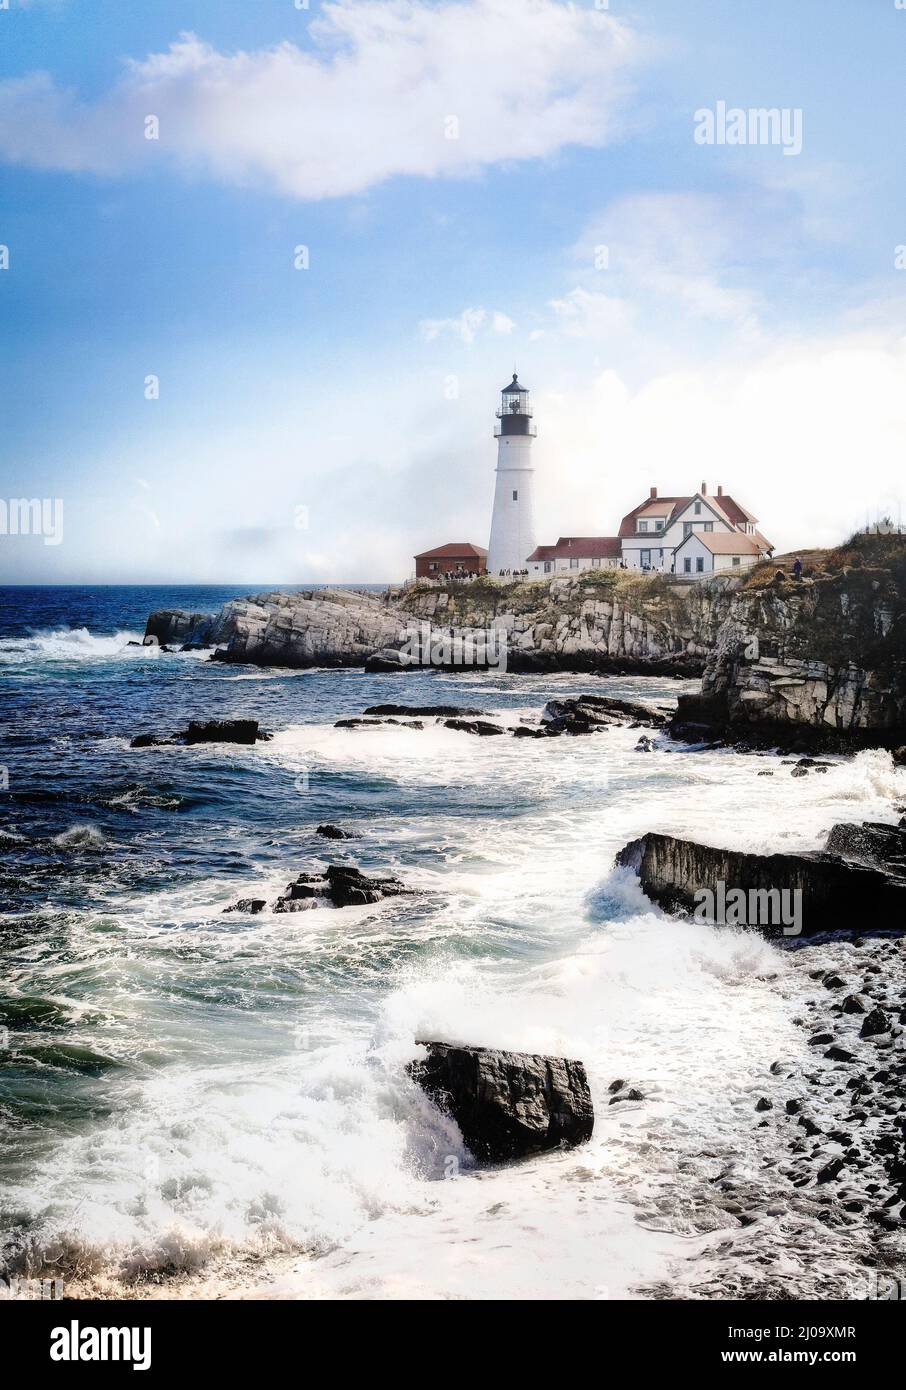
(707, 553)
(652, 533)
(574, 553)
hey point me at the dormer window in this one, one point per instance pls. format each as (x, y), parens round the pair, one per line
(697, 508)
(643, 525)
(658, 526)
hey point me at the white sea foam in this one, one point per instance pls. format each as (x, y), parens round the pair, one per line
(79, 837)
(297, 1128)
(71, 644)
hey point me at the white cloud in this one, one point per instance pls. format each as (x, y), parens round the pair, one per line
(586, 314)
(467, 326)
(372, 99)
(694, 251)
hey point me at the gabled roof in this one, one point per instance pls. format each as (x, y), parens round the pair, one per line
(728, 542)
(672, 507)
(627, 525)
(579, 548)
(453, 550)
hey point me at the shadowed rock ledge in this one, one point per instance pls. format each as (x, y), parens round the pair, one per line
(857, 882)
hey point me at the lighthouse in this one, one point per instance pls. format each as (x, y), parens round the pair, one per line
(513, 520)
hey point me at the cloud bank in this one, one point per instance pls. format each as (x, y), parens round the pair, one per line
(389, 88)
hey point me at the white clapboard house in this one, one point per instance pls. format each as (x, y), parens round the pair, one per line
(704, 534)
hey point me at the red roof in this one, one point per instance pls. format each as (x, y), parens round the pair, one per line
(721, 502)
(627, 525)
(579, 547)
(454, 550)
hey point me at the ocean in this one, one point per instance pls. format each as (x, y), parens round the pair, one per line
(196, 1103)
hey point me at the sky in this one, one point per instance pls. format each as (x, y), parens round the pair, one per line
(264, 269)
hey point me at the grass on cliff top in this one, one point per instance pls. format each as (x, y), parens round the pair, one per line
(885, 554)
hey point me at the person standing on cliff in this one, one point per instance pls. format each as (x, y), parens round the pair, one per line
(797, 568)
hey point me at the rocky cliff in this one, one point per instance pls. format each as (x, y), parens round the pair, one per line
(613, 620)
(823, 657)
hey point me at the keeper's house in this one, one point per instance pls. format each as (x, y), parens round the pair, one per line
(695, 535)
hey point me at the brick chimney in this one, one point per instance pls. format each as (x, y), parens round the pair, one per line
(704, 489)
(653, 493)
(720, 491)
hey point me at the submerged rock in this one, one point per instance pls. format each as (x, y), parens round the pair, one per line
(252, 905)
(508, 1104)
(223, 731)
(336, 832)
(340, 885)
(589, 713)
(481, 727)
(244, 731)
(438, 711)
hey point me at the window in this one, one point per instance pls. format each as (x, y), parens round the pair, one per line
(699, 564)
(547, 567)
(687, 528)
(643, 525)
(736, 559)
(574, 564)
(595, 562)
(708, 526)
(687, 565)
(515, 496)
(697, 509)
(658, 526)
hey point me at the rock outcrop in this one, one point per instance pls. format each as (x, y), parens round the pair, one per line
(823, 660)
(508, 1105)
(590, 713)
(857, 880)
(616, 621)
(245, 731)
(340, 885)
(335, 832)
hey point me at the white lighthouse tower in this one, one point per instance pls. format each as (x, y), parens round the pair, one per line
(513, 520)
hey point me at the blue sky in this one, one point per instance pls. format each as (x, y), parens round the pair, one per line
(747, 330)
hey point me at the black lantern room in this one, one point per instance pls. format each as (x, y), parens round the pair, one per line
(515, 413)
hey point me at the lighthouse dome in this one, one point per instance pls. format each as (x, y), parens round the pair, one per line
(514, 387)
